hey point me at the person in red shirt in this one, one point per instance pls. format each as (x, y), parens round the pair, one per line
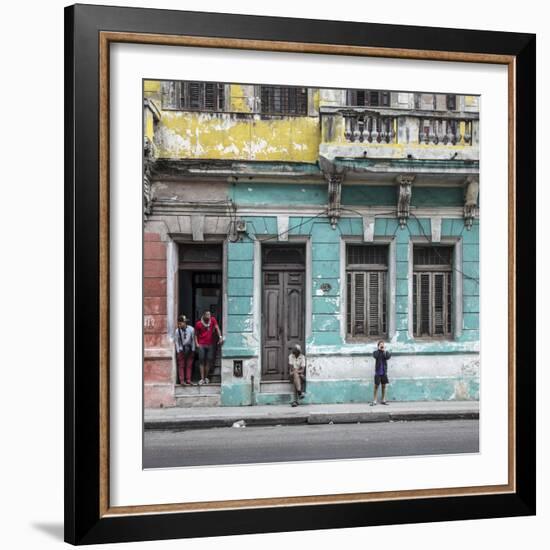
(205, 328)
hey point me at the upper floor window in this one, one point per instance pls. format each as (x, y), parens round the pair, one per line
(432, 296)
(430, 102)
(368, 98)
(451, 102)
(193, 96)
(279, 100)
(366, 281)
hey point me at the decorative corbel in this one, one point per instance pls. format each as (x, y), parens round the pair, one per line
(148, 162)
(334, 176)
(471, 192)
(404, 193)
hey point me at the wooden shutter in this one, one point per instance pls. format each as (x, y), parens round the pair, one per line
(432, 304)
(209, 96)
(451, 102)
(424, 303)
(373, 306)
(439, 321)
(359, 305)
(415, 304)
(194, 100)
(348, 303)
(448, 277)
(366, 280)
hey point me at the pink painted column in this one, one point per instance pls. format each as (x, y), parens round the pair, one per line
(159, 388)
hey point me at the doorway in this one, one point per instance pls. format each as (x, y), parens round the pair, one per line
(283, 307)
(200, 288)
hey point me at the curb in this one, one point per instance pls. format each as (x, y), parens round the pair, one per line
(307, 418)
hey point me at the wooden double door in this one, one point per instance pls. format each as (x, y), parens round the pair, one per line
(283, 308)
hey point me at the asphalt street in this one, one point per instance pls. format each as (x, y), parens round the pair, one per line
(163, 449)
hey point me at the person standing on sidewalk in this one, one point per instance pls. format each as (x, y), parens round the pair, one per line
(297, 372)
(205, 328)
(184, 337)
(381, 356)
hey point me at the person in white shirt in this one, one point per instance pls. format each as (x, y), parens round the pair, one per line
(297, 371)
(184, 338)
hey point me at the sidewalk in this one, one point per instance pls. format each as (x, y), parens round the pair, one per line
(179, 418)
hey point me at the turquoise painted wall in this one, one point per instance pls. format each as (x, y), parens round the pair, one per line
(315, 194)
(325, 249)
(242, 341)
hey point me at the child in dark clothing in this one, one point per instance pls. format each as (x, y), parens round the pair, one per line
(381, 357)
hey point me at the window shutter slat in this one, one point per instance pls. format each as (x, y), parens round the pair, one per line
(360, 303)
(424, 303)
(374, 305)
(449, 309)
(194, 95)
(348, 303)
(209, 96)
(383, 291)
(415, 304)
(438, 301)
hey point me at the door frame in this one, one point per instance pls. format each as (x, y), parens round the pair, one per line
(172, 282)
(298, 240)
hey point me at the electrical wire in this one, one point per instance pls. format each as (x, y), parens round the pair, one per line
(283, 233)
(362, 214)
(429, 239)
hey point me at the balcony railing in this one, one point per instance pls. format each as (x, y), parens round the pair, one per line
(369, 127)
(359, 125)
(445, 131)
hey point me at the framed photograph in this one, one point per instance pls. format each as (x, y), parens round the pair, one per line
(299, 272)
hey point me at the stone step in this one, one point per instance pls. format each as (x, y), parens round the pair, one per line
(194, 400)
(204, 390)
(276, 387)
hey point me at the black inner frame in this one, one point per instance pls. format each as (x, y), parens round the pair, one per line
(83, 524)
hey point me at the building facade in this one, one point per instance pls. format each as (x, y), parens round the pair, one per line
(328, 218)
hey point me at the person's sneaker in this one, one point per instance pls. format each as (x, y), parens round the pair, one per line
(294, 404)
(201, 382)
(206, 381)
(302, 395)
(372, 403)
(384, 403)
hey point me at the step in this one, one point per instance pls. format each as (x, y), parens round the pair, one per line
(194, 400)
(204, 390)
(276, 387)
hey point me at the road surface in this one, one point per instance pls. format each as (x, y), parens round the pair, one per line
(248, 445)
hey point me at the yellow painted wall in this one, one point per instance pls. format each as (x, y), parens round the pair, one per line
(239, 134)
(182, 134)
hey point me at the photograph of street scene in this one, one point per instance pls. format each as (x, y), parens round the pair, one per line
(310, 273)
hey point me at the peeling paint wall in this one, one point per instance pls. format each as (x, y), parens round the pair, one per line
(289, 147)
(240, 132)
(421, 369)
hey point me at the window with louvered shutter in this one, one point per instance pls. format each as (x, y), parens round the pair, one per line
(279, 100)
(368, 98)
(432, 296)
(193, 96)
(366, 285)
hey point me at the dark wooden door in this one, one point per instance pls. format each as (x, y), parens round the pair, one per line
(282, 320)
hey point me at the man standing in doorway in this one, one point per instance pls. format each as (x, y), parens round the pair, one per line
(297, 372)
(184, 337)
(205, 328)
(381, 357)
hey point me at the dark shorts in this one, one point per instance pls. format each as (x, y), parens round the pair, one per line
(380, 379)
(206, 353)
